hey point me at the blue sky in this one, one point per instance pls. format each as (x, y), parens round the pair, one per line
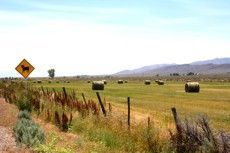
(106, 36)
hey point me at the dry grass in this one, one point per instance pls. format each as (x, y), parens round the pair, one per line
(67, 138)
(71, 141)
(9, 112)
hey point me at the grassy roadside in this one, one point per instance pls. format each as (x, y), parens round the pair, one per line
(109, 134)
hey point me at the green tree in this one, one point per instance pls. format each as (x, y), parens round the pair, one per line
(51, 73)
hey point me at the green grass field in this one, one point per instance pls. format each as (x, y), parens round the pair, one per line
(156, 101)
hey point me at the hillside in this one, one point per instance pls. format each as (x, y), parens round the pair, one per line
(214, 66)
(143, 70)
(213, 61)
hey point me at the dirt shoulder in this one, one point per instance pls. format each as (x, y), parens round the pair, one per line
(8, 118)
(8, 114)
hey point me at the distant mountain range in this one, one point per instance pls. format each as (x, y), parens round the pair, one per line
(213, 66)
(216, 61)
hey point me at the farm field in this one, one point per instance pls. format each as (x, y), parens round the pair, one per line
(156, 101)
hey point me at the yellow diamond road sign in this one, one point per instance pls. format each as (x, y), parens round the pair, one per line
(24, 68)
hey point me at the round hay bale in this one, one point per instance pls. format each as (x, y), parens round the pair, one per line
(156, 81)
(192, 87)
(147, 82)
(126, 81)
(105, 82)
(120, 81)
(97, 85)
(160, 82)
(39, 81)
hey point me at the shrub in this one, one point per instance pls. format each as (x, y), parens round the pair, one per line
(24, 103)
(24, 114)
(198, 137)
(28, 133)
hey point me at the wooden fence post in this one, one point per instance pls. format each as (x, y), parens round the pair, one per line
(176, 119)
(128, 112)
(101, 104)
(179, 130)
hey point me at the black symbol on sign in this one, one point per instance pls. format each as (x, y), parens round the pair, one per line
(25, 68)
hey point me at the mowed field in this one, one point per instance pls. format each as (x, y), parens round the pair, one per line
(156, 101)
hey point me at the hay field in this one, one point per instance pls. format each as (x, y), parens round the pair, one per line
(156, 101)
